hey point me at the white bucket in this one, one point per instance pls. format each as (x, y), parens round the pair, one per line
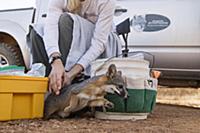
(141, 96)
(135, 82)
(130, 67)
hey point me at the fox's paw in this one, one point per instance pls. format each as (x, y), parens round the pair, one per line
(63, 114)
(108, 104)
(67, 109)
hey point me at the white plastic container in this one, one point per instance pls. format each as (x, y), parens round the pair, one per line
(129, 66)
(141, 89)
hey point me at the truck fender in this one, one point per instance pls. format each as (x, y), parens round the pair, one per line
(19, 34)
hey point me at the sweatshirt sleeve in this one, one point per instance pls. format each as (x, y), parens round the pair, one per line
(102, 30)
(55, 9)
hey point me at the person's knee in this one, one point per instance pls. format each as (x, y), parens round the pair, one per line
(65, 20)
(33, 35)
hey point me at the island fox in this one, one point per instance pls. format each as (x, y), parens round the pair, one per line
(89, 93)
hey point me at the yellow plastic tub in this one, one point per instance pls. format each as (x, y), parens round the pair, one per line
(22, 97)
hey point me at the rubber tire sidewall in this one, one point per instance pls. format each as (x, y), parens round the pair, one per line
(12, 53)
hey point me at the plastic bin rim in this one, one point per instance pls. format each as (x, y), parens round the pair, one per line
(11, 77)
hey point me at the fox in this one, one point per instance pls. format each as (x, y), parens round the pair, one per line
(89, 93)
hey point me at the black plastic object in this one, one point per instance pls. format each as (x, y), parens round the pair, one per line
(123, 29)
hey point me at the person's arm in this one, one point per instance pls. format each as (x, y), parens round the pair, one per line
(57, 74)
(102, 30)
(69, 76)
(55, 9)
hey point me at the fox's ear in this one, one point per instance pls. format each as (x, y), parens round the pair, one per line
(112, 70)
(119, 73)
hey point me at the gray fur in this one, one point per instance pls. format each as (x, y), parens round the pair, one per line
(54, 103)
(69, 99)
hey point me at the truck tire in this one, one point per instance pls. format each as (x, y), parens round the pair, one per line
(10, 55)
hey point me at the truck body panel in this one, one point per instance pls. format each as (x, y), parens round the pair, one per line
(15, 23)
(167, 29)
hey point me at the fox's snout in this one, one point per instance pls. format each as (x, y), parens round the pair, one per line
(123, 91)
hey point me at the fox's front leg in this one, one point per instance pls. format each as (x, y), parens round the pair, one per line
(96, 103)
(107, 104)
(101, 102)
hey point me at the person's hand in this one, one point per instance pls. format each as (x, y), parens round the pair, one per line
(56, 77)
(69, 76)
(67, 79)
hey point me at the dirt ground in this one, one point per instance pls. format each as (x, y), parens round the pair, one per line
(164, 119)
(179, 96)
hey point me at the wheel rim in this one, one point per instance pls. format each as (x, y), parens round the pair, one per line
(3, 61)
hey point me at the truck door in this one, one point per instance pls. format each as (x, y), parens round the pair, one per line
(169, 29)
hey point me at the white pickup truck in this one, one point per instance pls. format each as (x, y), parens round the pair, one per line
(168, 29)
